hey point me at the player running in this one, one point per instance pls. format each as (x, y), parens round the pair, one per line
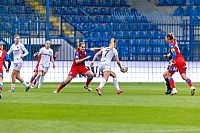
(3, 57)
(19, 52)
(177, 63)
(105, 66)
(46, 54)
(32, 82)
(78, 67)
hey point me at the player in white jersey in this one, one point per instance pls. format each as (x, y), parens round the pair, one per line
(46, 57)
(19, 52)
(105, 66)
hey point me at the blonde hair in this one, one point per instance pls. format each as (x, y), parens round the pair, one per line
(112, 43)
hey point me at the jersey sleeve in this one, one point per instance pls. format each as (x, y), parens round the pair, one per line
(24, 50)
(8, 60)
(88, 49)
(77, 56)
(173, 51)
(10, 50)
(40, 52)
(115, 52)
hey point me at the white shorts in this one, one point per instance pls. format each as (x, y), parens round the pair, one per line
(18, 66)
(104, 68)
(43, 68)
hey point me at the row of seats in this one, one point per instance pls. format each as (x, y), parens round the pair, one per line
(100, 3)
(177, 3)
(180, 11)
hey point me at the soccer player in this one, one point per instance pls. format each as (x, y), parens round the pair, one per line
(3, 57)
(177, 63)
(105, 66)
(33, 81)
(19, 52)
(78, 67)
(169, 88)
(46, 54)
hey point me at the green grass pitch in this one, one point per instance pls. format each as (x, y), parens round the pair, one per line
(142, 107)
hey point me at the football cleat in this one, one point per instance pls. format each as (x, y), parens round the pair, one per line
(174, 91)
(119, 91)
(87, 88)
(27, 88)
(168, 92)
(11, 90)
(55, 92)
(193, 89)
(99, 91)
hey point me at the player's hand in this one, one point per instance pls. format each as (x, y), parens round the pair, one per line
(35, 54)
(87, 57)
(57, 53)
(22, 56)
(92, 63)
(165, 56)
(54, 66)
(7, 70)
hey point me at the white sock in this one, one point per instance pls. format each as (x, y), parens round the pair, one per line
(12, 86)
(103, 82)
(25, 84)
(116, 84)
(37, 78)
(41, 80)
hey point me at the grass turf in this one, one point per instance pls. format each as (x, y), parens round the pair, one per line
(142, 107)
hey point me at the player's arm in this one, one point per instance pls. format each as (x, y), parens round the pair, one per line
(167, 55)
(173, 53)
(10, 50)
(117, 60)
(4, 64)
(94, 49)
(9, 62)
(52, 59)
(56, 55)
(36, 54)
(25, 51)
(78, 60)
(95, 57)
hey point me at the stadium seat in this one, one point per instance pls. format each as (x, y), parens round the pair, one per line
(179, 11)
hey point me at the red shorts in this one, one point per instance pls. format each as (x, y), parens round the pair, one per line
(78, 70)
(181, 68)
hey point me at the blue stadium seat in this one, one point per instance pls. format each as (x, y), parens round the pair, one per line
(116, 27)
(148, 34)
(106, 19)
(180, 2)
(179, 11)
(108, 27)
(133, 34)
(196, 2)
(100, 27)
(99, 19)
(96, 11)
(119, 34)
(88, 10)
(140, 34)
(93, 27)
(126, 34)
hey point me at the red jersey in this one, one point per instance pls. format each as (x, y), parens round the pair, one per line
(79, 55)
(3, 57)
(176, 54)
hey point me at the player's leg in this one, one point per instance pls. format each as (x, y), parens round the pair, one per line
(169, 89)
(73, 72)
(42, 77)
(115, 82)
(188, 81)
(13, 76)
(64, 83)
(37, 78)
(22, 81)
(90, 76)
(106, 75)
(32, 81)
(1, 86)
(171, 81)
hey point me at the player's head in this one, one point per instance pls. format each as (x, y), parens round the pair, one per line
(47, 44)
(16, 38)
(113, 43)
(1, 45)
(170, 37)
(81, 46)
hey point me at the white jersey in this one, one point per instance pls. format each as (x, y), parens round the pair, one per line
(18, 50)
(45, 56)
(107, 55)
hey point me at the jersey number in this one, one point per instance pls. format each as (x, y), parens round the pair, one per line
(107, 52)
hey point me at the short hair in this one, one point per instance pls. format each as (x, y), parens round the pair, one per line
(47, 41)
(1, 43)
(170, 36)
(16, 35)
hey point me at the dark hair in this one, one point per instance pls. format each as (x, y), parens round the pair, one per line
(80, 43)
(170, 36)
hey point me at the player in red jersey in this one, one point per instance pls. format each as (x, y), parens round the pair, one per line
(177, 63)
(78, 67)
(3, 57)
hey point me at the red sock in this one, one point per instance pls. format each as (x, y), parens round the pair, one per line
(189, 82)
(61, 86)
(1, 89)
(171, 81)
(88, 81)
